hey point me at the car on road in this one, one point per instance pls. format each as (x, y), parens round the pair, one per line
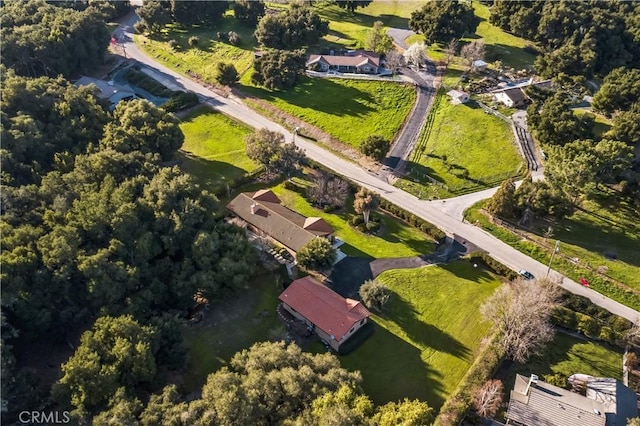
(525, 274)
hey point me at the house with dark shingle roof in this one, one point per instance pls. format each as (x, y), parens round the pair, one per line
(263, 211)
(535, 403)
(333, 318)
(359, 61)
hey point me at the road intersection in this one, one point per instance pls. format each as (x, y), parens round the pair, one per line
(442, 218)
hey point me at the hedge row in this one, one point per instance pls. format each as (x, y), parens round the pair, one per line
(181, 100)
(413, 220)
(587, 325)
(484, 367)
(143, 81)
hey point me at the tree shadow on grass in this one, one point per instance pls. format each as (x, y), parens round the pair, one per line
(210, 174)
(424, 334)
(320, 94)
(465, 269)
(393, 369)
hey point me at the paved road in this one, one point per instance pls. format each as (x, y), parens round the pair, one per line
(399, 35)
(496, 248)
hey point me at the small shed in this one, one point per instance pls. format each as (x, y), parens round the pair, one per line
(480, 65)
(458, 97)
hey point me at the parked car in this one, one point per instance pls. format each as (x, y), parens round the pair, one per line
(525, 274)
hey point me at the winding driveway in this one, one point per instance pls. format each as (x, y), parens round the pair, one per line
(496, 248)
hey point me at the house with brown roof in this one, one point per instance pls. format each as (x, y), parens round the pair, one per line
(535, 403)
(333, 318)
(359, 61)
(263, 211)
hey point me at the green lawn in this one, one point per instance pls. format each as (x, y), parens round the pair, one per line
(567, 355)
(202, 59)
(346, 109)
(214, 148)
(605, 236)
(396, 239)
(230, 326)
(427, 338)
(465, 148)
(601, 123)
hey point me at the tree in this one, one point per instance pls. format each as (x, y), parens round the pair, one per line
(226, 74)
(374, 295)
(364, 203)
(122, 410)
(542, 199)
(138, 125)
(619, 91)
(521, 313)
(269, 149)
(626, 126)
(488, 398)
(278, 69)
(317, 254)
(442, 21)
(406, 413)
(299, 26)
(115, 352)
(415, 54)
(154, 15)
(375, 146)
(394, 61)
(378, 40)
(198, 12)
(503, 202)
(451, 49)
(249, 11)
(344, 406)
(166, 408)
(472, 52)
(352, 5)
(556, 124)
(267, 384)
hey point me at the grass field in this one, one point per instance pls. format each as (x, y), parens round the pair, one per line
(231, 326)
(201, 60)
(605, 236)
(214, 148)
(465, 148)
(346, 109)
(426, 340)
(567, 355)
(396, 239)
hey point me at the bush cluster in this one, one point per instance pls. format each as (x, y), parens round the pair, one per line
(371, 228)
(587, 325)
(413, 220)
(181, 100)
(497, 267)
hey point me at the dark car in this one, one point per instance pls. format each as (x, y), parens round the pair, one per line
(526, 274)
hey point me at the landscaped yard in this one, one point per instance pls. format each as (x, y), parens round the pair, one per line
(605, 236)
(230, 326)
(464, 148)
(396, 239)
(346, 109)
(567, 355)
(214, 148)
(426, 340)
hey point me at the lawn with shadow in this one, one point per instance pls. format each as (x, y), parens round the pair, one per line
(428, 334)
(214, 148)
(348, 110)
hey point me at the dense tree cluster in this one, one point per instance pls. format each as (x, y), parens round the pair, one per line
(620, 91)
(352, 5)
(249, 11)
(39, 39)
(578, 38)
(299, 26)
(155, 14)
(278, 69)
(443, 21)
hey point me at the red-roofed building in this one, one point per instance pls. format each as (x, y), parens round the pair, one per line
(333, 318)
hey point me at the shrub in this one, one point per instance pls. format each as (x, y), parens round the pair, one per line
(375, 146)
(588, 325)
(374, 295)
(373, 226)
(226, 74)
(317, 255)
(173, 44)
(328, 208)
(557, 379)
(181, 100)
(234, 38)
(357, 220)
(193, 41)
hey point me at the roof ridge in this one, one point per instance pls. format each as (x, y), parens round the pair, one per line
(276, 213)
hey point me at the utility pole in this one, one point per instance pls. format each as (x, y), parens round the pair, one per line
(555, 250)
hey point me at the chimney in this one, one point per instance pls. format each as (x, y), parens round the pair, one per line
(254, 207)
(532, 380)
